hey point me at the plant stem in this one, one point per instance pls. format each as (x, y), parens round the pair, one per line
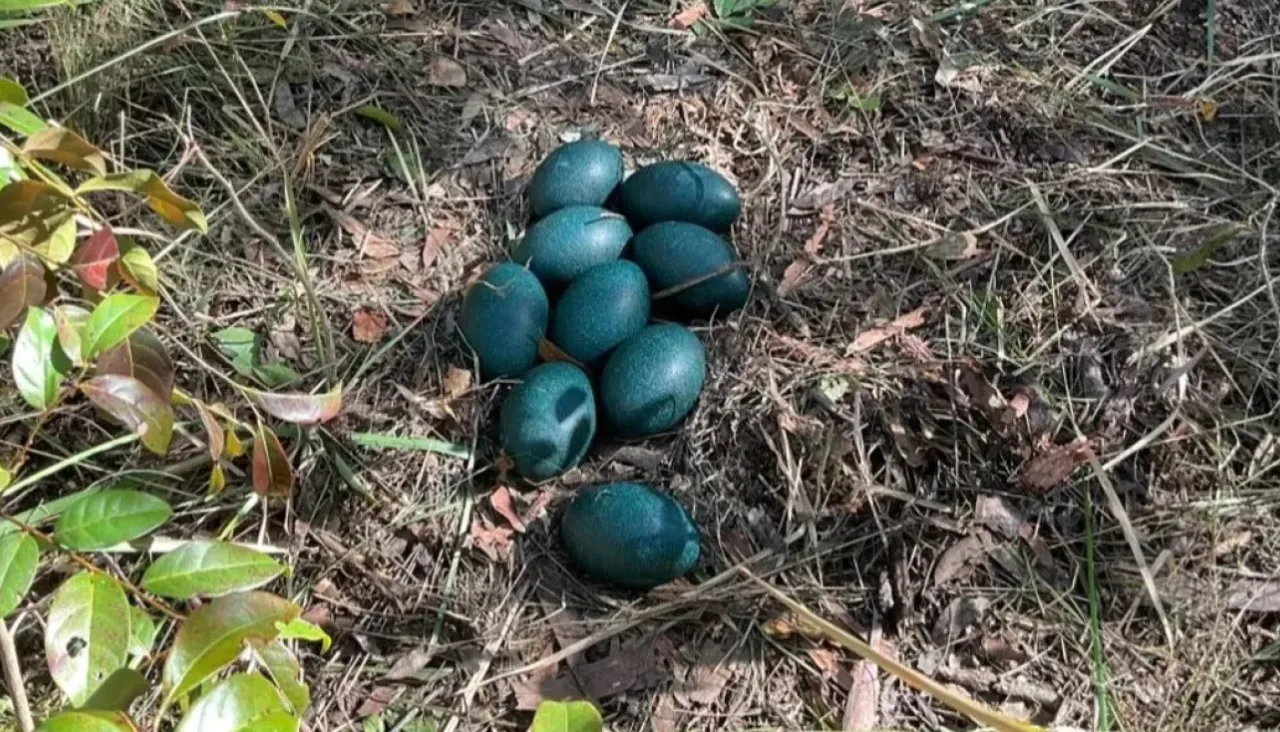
(13, 679)
(72, 461)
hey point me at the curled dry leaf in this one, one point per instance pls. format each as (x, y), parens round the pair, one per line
(456, 381)
(368, 242)
(272, 474)
(960, 558)
(996, 514)
(303, 409)
(1053, 466)
(437, 238)
(873, 337)
(494, 541)
(368, 326)
(444, 71)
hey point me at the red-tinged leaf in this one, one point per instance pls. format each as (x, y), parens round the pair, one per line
(272, 474)
(217, 437)
(215, 634)
(143, 357)
(35, 215)
(22, 284)
(136, 406)
(1053, 466)
(494, 541)
(303, 409)
(368, 326)
(688, 17)
(94, 257)
(61, 145)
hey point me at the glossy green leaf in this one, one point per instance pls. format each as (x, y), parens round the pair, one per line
(209, 569)
(274, 374)
(22, 285)
(110, 517)
(299, 629)
(242, 703)
(39, 365)
(134, 405)
(70, 321)
(168, 205)
(114, 319)
(118, 691)
(574, 716)
(87, 721)
(239, 344)
(286, 672)
(143, 634)
(61, 145)
(20, 119)
(143, 357)
(87, 634)
(12, 92)
(213, 636)
(137, 268)
(19, 555)
(46, 511)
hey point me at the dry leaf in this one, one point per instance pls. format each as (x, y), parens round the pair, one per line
(456, 381)
(528, 691)
(708, 677)
(954, 77)
(500, 499)
(630, 667)
(828, 662)
(368, 326)
(548, 351)
(368, 242)
(436, 239)
(959, 559)
(861, 710)
(996, 514)
(409, 664)
(686, 18)
(494, 541)
(377, 701)
(954, 245)
(915, 346)
(873, 337)
(286, 108)
(955, 621)
(1053, 466)
(444, 71)
(399, 8)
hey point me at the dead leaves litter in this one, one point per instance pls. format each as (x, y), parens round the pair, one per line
(445, 72)
(872, 337)
(368, 326)
(1053, 466)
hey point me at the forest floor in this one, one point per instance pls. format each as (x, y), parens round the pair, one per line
(1013, 339)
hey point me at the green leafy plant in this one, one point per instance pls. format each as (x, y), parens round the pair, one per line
(77, 308)
(574, 716)
(739, 13)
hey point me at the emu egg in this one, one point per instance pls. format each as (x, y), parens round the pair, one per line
(601, 308)
(652, 380)
(571, 241)
(679, 190)
(675, 252)
(548, 420)
(504, 315)
(630, 535)
(582, 173)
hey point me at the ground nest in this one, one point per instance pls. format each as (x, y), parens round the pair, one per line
(1012, 307)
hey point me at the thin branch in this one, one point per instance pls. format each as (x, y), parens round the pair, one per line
(13, 679)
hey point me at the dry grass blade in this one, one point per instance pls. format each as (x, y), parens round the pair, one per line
(975, 712)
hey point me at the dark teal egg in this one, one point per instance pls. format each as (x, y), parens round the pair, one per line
(581, 173)
(680, 190)
(630, 535)
(652, 380)
(548, 420)
(571, 241)
(504, 315)
(672, 253)
(601, 308)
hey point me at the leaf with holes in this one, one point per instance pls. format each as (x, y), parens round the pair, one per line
(168, 205)
(113, 320)
(143, 357)
(88, 721)
(242, 703)
(93, 258)
(137, 268)
(286, 672)
(35, 215)
(213, 636)
(118, 691)
(272, 474)
(144, 631)
(19, 554)
(70, 321)
(61, 145)
(303, 409)
(136, 406)
(108, 518)
(87, 634)
(210, 569)
(22, 285)
(39, 365)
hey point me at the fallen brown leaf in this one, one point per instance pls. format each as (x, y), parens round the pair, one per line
(494, 541)
(409, 664)
(996, 514)
(861, 710)
(549, 351)
(960, 558)
(873, 337)
(1053, 466)
(795, 271)
(828, 662)
(444, 71)
(528, 691)
(377, 701)
(686, 18)
(368, 242)
(456, 381)
(368, 326)
(436, 239)
(399, 8)
(500, 499)
(954, 245)
(956, 619)
(631, 667)
(708, 677)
